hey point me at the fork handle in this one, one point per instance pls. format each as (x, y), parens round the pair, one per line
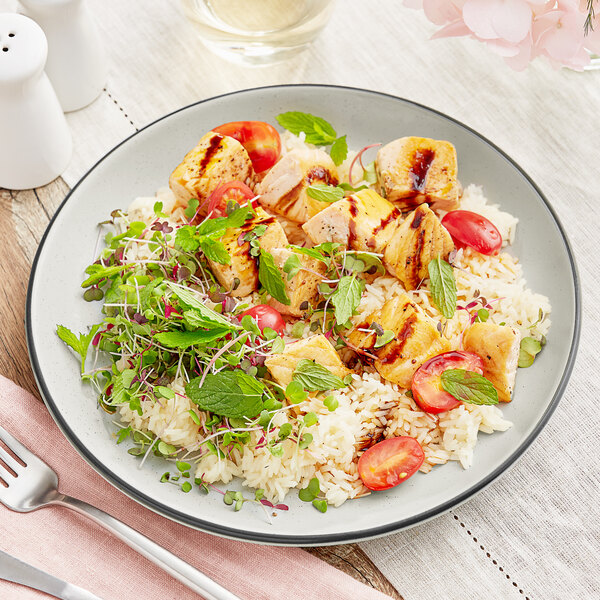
(175, 566)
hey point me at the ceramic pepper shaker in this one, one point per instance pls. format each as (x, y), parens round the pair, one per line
(76, 64)
(35, 141)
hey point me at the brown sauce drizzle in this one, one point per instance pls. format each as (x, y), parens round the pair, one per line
(351, 232)
(321, 174)
(386, 221)
(401, 338)
(421, 162)
(213, 146)
(353, 206)
(417, 218)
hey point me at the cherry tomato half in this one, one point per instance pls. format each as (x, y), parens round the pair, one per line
(260, 140)
(266, 316)
(470, 229)
(427, 381)
(232, 190)
(390, 462)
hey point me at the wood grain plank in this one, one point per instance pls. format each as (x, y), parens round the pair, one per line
(24, 217)
(350, 559)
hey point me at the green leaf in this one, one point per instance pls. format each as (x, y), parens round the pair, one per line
(185, 339)
(215, 250)
(339, 150)
(194, 416)
(312, 252)
(215, 227)
(331, 403)
(317, 130)
(324, 193)
(295, 393)
(292, 266)
(166, 449)
(187, 239)
(314, 377)
(370, 174)
(183, 466)
(483, 315)
(311, 491)
(127, 376)
(320, 505)
(79, 344)
(469, 387)
(529, 349)
(385, 338)
(158, 210)
(98, 272)
(164, 392)
(271, 279)
(298, 329)
(191, 300)
(348, 188)
(191, 209)
(231, 394)
(310, 419)
(305, 441)
(186, 487)
(442, 286)
(285, 430)
(346, 298)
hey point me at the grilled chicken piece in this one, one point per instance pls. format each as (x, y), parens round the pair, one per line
(317, 348)
(413, 170)
(215, 160)
(498, 346)
(283, 190)
(243, 266)
(418, 241)
(416, 340)
(302, 289)
(364, 221)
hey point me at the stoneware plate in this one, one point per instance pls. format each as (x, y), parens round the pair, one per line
(143, 162)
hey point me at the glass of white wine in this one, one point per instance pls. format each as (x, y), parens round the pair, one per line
(258, 31)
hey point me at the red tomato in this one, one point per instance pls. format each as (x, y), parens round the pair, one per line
(232, 190)
(266, 316)
(470, 229)
(427, 381)
(260, 140)
(390, 462)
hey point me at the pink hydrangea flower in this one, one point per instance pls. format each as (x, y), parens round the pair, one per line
(519, 30)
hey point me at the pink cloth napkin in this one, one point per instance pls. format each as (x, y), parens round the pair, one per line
(77, 550)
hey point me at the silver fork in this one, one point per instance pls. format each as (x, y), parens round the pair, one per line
(35, 485)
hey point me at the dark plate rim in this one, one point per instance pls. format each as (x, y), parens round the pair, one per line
(313, 539)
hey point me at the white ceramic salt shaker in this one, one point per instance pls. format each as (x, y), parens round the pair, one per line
(77, 65)
(35, 141)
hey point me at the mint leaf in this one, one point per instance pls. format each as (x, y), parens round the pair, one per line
(469, 387)
(270, 278)
(79, 344)
(317, 130)
(312, 252)
(324, 193)
(314, 377)
(339, 150)
(235, 220)
(190, 299)
(186, 238)
(292, 266)
(442, 286)
(231, 394)
(185, 339)
(346, 298)
(215, 250)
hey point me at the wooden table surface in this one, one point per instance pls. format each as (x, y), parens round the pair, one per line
(24, 217)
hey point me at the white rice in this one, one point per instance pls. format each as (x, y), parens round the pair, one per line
(370, 408)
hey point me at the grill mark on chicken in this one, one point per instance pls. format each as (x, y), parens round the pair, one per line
(421, 161)
(386, 221)
(321, 174)
(289, 198)
(419, 214)
(353, 207)
(351, 232)
(214, 145)
(401, 338)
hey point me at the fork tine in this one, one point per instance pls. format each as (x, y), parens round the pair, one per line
(21, 451)
(9, 461)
